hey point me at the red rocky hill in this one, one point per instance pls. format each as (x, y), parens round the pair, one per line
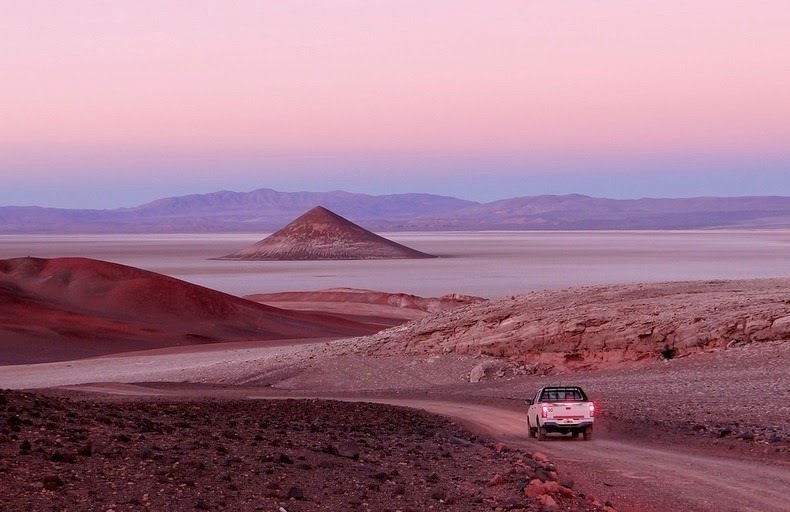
(67, 308)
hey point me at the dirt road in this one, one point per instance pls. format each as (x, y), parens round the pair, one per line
(632, 476)
(636, 477)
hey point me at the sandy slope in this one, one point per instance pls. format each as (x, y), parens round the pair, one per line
(67, 308)
(70, 308)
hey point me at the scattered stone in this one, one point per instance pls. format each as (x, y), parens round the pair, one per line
(496, 480)
(86, 450)
(296, 493)
(51, 482)
(534, 489)
(567, 483)
(458, 441)
(439, 495)
(540, 457)
(349, 450)
(548, 502)
(58, 456)
(380, 476)
(151, 465)
(513, 502)
(479, 372)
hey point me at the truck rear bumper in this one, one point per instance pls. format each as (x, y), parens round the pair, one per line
(569, 427)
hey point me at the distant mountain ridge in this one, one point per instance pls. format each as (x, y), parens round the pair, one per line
(266, 210)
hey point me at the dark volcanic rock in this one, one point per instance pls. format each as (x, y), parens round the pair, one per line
(398, 465)
(323, 235)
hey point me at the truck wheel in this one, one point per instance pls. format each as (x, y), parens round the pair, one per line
(531, 432)
(575, 434)
(542, 434)
(587, 434)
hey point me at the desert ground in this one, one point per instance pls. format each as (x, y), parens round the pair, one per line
(212, 426)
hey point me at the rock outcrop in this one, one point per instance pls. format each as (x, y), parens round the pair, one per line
(321, 234)
(345, 297)
(594, 327)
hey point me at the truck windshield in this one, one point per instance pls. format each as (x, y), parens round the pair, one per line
(562, 395)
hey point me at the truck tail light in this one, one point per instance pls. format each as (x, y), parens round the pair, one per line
(592, 410)
(544, 412)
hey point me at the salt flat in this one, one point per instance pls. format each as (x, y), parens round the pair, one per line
(487, 264)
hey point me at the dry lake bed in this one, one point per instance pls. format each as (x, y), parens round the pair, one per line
(487, 264)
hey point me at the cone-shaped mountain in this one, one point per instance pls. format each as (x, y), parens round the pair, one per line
(321, 234)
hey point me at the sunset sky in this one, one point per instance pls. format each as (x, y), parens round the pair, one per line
(115, 103)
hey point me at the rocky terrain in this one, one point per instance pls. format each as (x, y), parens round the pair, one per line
(321, 234)
(597, 327)
(690, 380)
(69, 453)
(365, 305)
(704, 399)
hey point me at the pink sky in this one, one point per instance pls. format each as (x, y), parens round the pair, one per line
(135, 100)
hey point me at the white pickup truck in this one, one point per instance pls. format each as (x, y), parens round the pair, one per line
(562, 409)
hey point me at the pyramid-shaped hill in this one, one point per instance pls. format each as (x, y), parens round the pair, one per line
(321, 234)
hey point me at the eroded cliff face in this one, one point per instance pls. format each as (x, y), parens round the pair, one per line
(593, 327)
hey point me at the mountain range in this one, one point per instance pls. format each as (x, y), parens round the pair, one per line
(266, 210)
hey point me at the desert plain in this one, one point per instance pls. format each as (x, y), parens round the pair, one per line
(681, 338)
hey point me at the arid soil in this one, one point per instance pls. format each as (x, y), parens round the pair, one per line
(703, 426)
(75, 454)
(656, 435)
(367, 306)
(70, 308)
(707, 399)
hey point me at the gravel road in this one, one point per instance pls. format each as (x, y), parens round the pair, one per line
(664, 462)
(633, 475)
